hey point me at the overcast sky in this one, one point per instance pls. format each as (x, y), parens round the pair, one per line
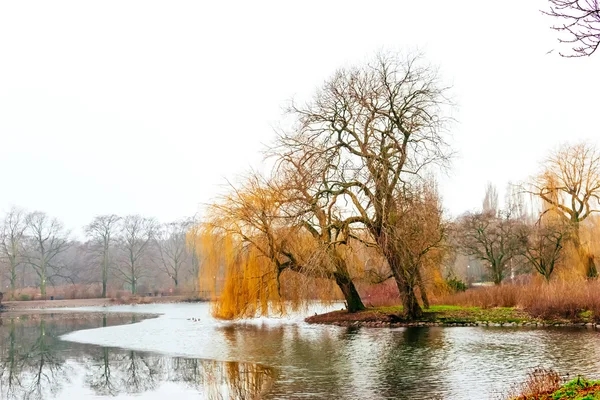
(147, 107)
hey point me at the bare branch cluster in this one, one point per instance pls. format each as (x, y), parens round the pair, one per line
(580, 21)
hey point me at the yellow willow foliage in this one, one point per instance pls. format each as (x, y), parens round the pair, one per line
(250, 287)
(244, 283)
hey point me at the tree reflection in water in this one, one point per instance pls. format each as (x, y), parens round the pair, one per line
(35, 364)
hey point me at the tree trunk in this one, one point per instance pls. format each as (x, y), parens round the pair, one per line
(410, 303)
(353, 301)
(104, 272)
(345, 283)
(405, 280)
(497, 274)
(591, 270)
(13, 281)
(423, 290)
(43, 282)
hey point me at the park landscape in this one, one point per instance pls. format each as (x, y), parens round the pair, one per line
(332, 269)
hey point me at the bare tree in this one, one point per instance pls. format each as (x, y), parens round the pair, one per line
(47, 239)
(102, 231)
(381, 124)
(134, 240)
(491, 238)
(490, 200)
(419, 230)
(170, 240)
(543, 244)
(580, 21)
(11, 243)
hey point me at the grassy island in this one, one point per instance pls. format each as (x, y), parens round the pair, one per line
(444, 315)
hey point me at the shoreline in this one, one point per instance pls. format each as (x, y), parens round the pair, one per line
(40, 306)
(445, 316)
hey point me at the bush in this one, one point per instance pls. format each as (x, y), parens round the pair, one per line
(540, 381)
(456, 285)
(24, 297)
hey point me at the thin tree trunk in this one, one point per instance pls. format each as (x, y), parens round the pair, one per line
(104, 272)
(423, 290)
(13, 281)
(43, 281)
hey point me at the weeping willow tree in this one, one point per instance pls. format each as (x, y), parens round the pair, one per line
(259, 261)
(569, 186)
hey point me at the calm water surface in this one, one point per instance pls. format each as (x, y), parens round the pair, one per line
(120, 353)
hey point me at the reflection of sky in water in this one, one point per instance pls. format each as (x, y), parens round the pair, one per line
(339, 363)
(35, 364)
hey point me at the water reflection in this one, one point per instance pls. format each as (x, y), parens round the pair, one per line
(317, 362)
(35, 364)
(408, 363)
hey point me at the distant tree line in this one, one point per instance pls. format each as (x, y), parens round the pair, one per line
(119, 253)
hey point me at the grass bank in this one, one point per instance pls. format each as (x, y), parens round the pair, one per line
(448, 315)
(548, 388)
(577, 389)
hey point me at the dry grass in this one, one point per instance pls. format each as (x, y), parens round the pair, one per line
(383, 294)
(539, 382)
(565, 300)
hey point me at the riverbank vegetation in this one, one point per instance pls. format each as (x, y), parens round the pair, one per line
(546, 384)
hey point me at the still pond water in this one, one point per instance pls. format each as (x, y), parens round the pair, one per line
(123, 353)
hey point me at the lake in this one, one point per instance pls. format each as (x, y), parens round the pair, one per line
(124, 352)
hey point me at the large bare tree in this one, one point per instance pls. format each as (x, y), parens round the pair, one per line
(381, 124)
(134, 239)
(101, 231)
(11, 243)
(47, 240)
(579, 20)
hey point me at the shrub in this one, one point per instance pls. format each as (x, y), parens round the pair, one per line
(456, 285)
(540, 381)
(24, 297)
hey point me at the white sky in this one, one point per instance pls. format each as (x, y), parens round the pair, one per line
(147, 107)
